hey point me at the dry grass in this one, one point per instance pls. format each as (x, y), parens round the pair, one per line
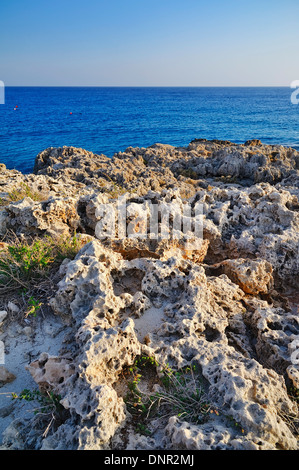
(188, 173)
(176, 392)
(18, 194)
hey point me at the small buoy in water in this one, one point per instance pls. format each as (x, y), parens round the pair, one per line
(71, 113)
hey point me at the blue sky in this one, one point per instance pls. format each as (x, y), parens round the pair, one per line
(149, 43)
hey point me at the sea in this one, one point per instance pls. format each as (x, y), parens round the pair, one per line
(107, 120)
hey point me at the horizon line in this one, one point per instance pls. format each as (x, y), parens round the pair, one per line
(146, 86)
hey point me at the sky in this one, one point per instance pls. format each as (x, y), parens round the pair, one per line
(149, 42)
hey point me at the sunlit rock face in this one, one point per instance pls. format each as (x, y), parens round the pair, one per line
(226, 304)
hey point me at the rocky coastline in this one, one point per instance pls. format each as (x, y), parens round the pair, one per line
(104, 338)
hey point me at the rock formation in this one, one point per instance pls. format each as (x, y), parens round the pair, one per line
(226, 305)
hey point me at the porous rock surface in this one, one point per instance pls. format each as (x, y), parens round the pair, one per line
(228, 305)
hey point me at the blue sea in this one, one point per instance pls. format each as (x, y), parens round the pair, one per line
(107, 120)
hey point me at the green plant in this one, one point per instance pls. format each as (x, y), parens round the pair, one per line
(48, 401)
(23, 263)
(142, 429)
(177, 392)
(232, 422)
(66, 247)
(144, 360)
(33, 306)
(184, 393)
(32, 257)
(49, 406)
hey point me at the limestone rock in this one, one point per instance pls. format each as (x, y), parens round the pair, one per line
(253, 276)
(218, 305)
(3, 315)
(50, 372)
(5, 376)
(12, 307)
(200, 320)
(35, 218)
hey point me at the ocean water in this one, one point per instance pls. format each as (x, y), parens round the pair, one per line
(108, 120)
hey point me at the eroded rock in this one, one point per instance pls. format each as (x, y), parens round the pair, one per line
(214, 305)
(193, 317)
(5, 376)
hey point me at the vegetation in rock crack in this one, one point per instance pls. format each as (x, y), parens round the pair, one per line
(294, 394)
(22, 262)
(33, 306)
(188, 173)
(28, 270)
(178, 392)
(292, 421)
(48, 409)
(18, 194)
(115, 189)
(48, 401)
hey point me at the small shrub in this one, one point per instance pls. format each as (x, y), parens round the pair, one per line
(30, 258)
(23, 264)
(48, 401)
(33, 306)
(49, 411)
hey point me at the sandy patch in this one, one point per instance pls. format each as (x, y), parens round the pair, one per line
(149, 322)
